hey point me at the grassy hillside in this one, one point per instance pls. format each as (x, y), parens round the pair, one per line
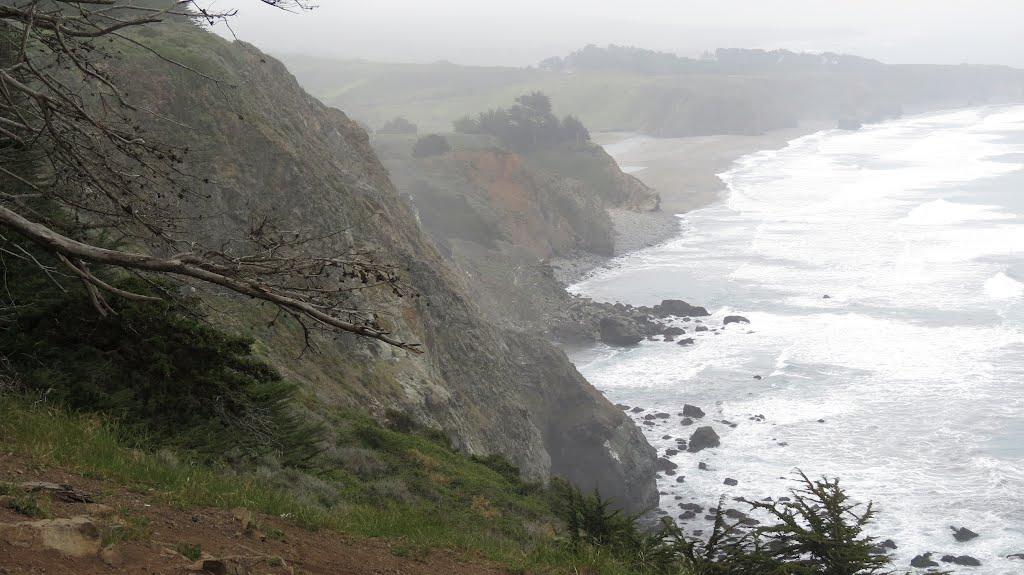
(724, 99)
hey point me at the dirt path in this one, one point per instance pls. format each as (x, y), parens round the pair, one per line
(135, 534)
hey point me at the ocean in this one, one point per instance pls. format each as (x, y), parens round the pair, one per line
(914, 229)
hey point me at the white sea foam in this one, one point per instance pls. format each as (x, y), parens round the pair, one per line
(1001, 286)
(914, 361)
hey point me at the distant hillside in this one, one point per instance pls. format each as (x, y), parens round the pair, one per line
(628, 89)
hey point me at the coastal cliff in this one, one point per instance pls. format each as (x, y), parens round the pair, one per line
(265, 146)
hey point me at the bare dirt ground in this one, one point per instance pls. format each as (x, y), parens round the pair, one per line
(152, 535)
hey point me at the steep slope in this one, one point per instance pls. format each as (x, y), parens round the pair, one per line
(266, 147)
(501, 217)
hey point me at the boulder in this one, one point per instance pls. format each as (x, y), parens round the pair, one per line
(680, 479)
(700, 328)
(673, 331)
(662, 415)
(636, 410)
(679, 308)
(923, 561)
(685, 341)
(965, 560)
(703, 438)
(734, 319)
(74, 537)
(686, 421)
(692, 411)
(617, 331)
(1016, 556)
(671, 452)
(963, 534)
(691, 507)
(888, 544)
(702, 466)
(663, 464)
(757, 377)
(731, 482)
(687, 515)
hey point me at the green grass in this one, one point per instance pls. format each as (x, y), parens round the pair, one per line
(456, 503)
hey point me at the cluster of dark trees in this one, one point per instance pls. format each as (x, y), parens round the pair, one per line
(398, 125)
(722, 61)
(527, 125)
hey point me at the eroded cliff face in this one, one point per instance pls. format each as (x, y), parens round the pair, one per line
(263, 146)
(501, 218)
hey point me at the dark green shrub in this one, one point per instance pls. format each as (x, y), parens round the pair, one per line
(164, 375)
(431, 145)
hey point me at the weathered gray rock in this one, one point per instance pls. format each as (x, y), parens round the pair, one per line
(703, 438)
(679, 308)
(923, 561)
(692, 411)
(731, 482)
(965, 560)
(963, 534)
(618, 331)
(734, 319)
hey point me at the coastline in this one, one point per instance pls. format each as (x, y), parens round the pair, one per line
(684, 171)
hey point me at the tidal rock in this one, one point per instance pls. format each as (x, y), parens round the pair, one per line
(693, 411)
(671, 452)
(663, 464)
(680, 479)
(731, 482)
(758, 377)
(965, 560)
(734, 319)
(686, 421)
(673, 331)
(679, 308)
(636, 410)
(1016, 556)
(923, 561)
(703, 438)
(662, 415)
(888, 544)
(700, 328)
(685, 341)
(687, 515)
(691, 507)
(963, 534)
(826, 296)
(617, 331)
(649, 417)
(621, 406)
(702, 466)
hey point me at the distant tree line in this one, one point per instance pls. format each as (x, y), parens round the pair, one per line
(527, 125)
(398, 125)
(721, 61)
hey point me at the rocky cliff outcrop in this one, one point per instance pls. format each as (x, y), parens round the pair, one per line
(260, 145)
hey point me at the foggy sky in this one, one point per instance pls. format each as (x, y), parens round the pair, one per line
(525, 31)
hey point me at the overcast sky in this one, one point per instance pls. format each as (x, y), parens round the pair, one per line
(525, 31)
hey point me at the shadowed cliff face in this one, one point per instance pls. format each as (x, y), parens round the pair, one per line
(269, 148)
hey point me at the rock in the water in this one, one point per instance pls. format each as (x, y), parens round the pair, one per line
(965, 560)
(692, 411)
(662, 415)
(691, 507)
(680, 479)
(617, 331)
(702, 466)
(734, 319)
(700, 328)
(757, 377)
(923, 561)
(731, 482)
(671, 452)
(636, 410)
(703, 438)
(1016, 556)
(888, 544)
(826, 296)
(687, 515)
(663, 464)
(686, 421)
(679, 308)
(685, 341)
(673, 331)
(963, 534)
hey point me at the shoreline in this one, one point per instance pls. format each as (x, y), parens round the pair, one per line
(684, 172)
